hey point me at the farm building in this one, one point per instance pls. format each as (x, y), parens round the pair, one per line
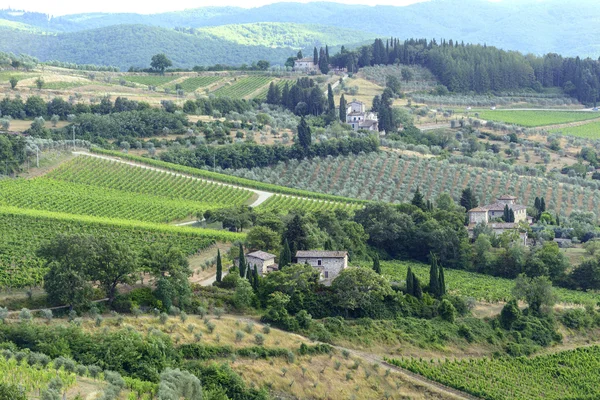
(329, 263)
(264, 262)
(358, 118)
(305, 64)
(489, 214)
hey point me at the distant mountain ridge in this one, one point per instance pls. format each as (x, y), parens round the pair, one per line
(231, 35)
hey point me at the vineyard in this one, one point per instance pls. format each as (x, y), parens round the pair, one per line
(388, 177)
(102, 173)
(75, 198)
(286, 203)
(192, 84)
(23, 231)
(588, 131)
(243, 87)
(481, 287)
(31, 378)
(535, 118)
(569, 374)
(221, 177)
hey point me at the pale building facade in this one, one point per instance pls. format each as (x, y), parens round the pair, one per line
(358, 118)
(305, 64)
(489, 213)
(264, 262)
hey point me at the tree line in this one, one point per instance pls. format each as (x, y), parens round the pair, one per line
(480, 68)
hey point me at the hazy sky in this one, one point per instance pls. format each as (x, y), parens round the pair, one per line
(62, 7)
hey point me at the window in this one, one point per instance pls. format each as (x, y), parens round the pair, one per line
(326, 274)
(319, 262)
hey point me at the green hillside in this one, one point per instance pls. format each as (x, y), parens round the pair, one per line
(272, 34)
(133, 45)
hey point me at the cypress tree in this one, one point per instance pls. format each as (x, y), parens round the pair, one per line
(316, 56)
(330, 100)
(242, 262)
(219, 266)
(442, 282)
(542, 205)
(418, 200)
(506, 214)
(285, 95)
(511, 215)
(434, 275)
(304, 134)
(249, 272)
(409, 282)
(417, 288)
(557, 220)
(327, 53)
(285, 257)
(376, 264)
(343, 106)
(255, 278)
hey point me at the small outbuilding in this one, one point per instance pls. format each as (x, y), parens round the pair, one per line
(329, 263)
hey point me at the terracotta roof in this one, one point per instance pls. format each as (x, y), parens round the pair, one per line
(368, 122)
(320, 254)
(478, 209)
(261, 255)
(307, 59)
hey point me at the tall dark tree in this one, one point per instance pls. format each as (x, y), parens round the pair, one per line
(331, 110)
(434, 276)
(219, 266)
(242, 262)
(418, 200)
(299, 55)
(468, 199)
(343, 106)
(323, 62)
(285, 257)
(255, 278)
(376, 264)
(442, 281)
(274, 94)
(417, 288)
(296, 235)
(409, 282)
(304, 134)
(316, 56)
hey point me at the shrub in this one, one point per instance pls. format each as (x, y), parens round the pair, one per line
(447, 311)
(259, 339)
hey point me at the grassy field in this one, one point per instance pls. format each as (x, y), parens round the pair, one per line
(287, 203)
(150, 80)
(535, 118)
(481, 287)
(588, 131)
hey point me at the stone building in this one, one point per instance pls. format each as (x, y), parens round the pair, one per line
(306, 64)
(489, 214)
(329, 263)
(264, 262)
(358, 118)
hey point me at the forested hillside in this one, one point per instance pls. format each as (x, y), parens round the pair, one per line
(134, 45)
(273, 34)
(527, 26)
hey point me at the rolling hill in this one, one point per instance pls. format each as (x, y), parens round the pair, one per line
(529, 26)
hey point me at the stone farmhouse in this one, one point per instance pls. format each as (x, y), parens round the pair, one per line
(306, 64)
(358, 118)
(489, 213)
(264, 262)
(329, 263)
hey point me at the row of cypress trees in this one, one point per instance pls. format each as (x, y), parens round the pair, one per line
(437, 281)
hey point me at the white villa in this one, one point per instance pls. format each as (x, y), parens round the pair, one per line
(489, 213)
(358, 118)
(306, 64)
(329, 263)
